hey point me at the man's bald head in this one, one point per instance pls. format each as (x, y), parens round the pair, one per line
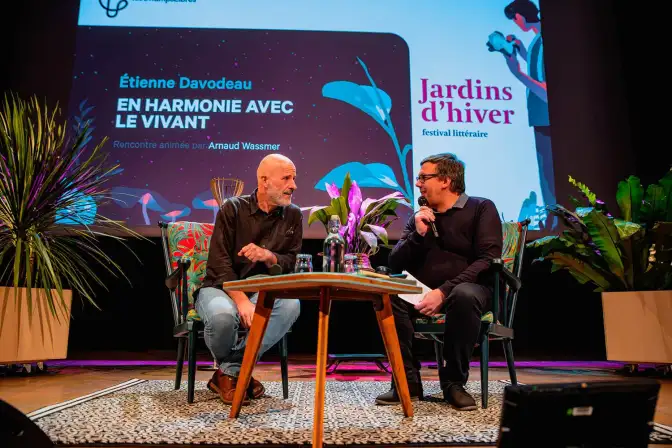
(272, 162)
(276, 177)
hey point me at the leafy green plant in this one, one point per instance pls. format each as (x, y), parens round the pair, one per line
(363, 221)
(633, 253)
(46, 169)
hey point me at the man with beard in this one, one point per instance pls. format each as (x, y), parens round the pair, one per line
(252, 233)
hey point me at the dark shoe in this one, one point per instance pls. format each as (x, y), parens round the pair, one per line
(391, 397)
(459, 398)
(255, 390)
(225, 386)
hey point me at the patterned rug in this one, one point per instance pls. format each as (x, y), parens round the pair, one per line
(151, 412)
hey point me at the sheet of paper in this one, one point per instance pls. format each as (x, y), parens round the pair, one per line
(414, 298)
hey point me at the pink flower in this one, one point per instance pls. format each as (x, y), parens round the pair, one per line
(355, 199)
(351, 227)
(332, 190)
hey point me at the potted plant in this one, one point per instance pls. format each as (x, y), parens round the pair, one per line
(628, 260)
(49, 174)
(364, 222)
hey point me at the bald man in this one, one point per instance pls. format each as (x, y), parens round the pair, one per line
(252, 233)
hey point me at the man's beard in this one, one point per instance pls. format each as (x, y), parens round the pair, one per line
(279, 198)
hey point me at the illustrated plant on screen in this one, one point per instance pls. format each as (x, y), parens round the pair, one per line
(377, 104)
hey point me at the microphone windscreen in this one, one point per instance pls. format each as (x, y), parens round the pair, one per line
(422, 201)
(276, 269)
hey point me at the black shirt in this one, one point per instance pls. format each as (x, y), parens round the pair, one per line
(240, 222)
(470, 236)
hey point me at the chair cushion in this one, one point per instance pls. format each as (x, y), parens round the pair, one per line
(193, 315)
(190, 240)
(440, 319)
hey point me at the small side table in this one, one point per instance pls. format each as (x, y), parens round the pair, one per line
(326, 287)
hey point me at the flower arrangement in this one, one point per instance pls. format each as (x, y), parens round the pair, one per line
(363, 221)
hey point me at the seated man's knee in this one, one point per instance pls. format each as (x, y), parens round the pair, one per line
(222, 320)
(464, 295)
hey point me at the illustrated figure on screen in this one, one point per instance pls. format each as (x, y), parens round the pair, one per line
(525, 14)
(253, 233)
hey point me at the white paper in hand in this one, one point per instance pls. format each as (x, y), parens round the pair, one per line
(414, 298)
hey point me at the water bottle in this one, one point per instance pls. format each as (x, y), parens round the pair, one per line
(334, 247)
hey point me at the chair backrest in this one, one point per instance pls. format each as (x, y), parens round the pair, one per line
(513, 247)
(223, 188)
(185, 239)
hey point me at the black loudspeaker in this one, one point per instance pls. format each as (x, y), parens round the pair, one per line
(18, 431)
(595, 414)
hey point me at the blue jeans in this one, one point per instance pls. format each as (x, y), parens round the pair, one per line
(221, 319)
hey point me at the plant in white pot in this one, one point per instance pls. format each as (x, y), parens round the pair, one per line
(628, 260)
(49, 174)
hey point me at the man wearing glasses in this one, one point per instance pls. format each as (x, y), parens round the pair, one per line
(455, 266)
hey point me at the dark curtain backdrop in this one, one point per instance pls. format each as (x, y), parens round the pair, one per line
(604, 73)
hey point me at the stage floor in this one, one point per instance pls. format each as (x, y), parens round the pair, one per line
(70, 379)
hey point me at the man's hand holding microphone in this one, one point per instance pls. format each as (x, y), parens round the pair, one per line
(424, 218)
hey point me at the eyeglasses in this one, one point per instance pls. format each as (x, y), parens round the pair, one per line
(424, 177)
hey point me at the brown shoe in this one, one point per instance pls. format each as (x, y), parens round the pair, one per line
(255, 390)
(225, 386)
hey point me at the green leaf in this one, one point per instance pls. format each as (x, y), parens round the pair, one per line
(654, 203)
(585, 190)
(318, 214)
(629, 196)
(339, 206)
(666, 184)
(563, 244)
(581, 212)
(575, 202)
(548, 244)
(580, 270)
(626, 229)
(634, 251)
(605, 235)
(379, 231)
(370, 239)
(345, 190)
(571, 219)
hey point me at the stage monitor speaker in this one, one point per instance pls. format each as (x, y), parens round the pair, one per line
(18, 431)
(592, 414)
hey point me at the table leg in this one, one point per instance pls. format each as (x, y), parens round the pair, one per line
(262, 312)
(391, 341)
(321, 367)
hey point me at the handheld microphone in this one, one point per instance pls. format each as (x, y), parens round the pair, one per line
(422, 201)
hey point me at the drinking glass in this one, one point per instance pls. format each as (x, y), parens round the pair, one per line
(349, 263)
(304, 263)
